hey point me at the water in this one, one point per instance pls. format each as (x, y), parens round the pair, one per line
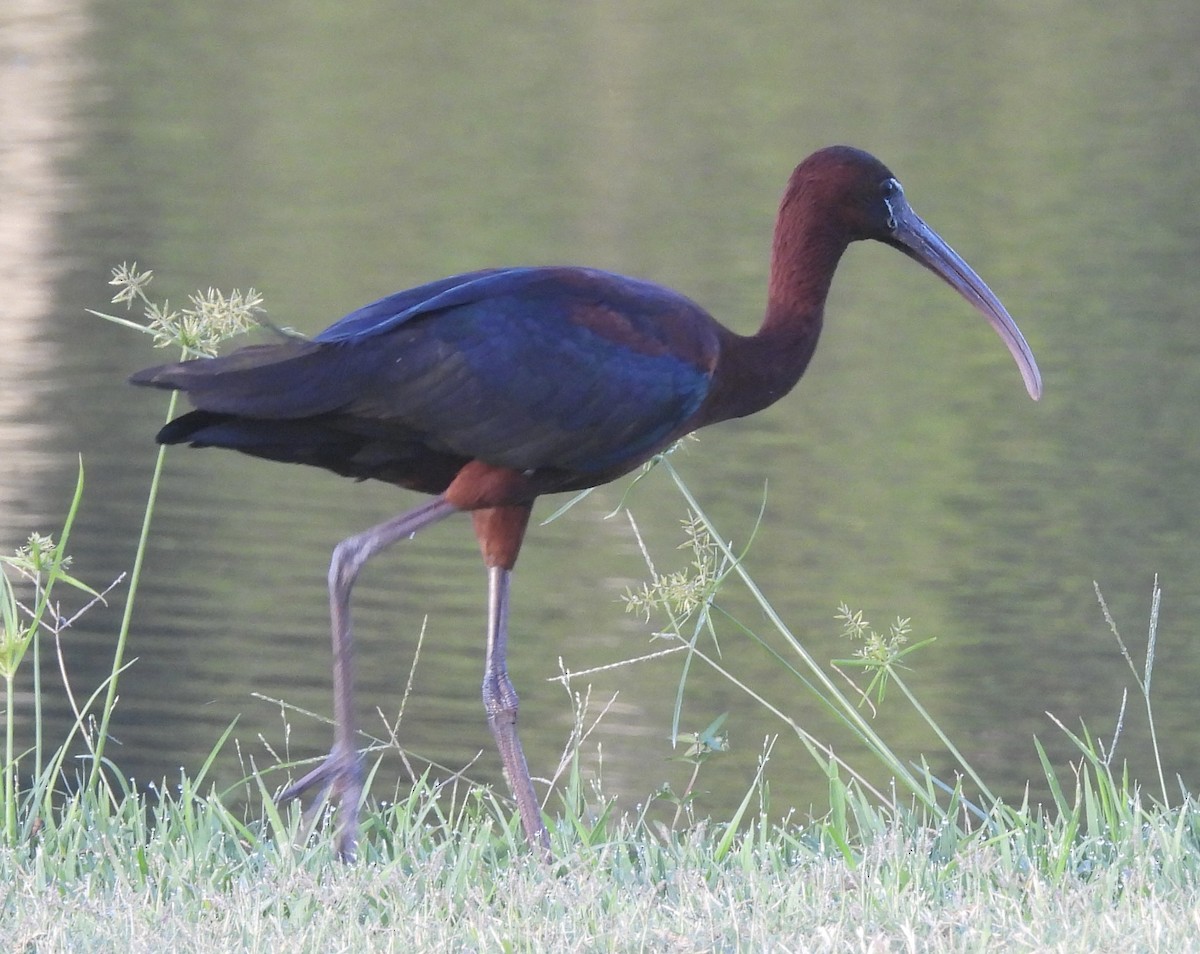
(327, 156)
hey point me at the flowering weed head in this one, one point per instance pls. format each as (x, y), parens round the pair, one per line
(210, 318)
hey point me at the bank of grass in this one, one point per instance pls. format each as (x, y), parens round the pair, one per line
(197, 878)
(88, 864)
(110, 870)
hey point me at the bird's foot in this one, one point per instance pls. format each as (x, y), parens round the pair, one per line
(339, 777)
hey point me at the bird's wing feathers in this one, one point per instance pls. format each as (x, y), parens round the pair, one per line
(387, 313)
(271, 381)
(566, 368)
(525, 368)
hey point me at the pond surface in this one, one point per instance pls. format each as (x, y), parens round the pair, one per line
(329, 154)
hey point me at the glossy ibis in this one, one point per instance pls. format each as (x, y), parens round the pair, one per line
(491, 388)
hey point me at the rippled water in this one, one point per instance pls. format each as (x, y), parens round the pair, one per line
(327, 156)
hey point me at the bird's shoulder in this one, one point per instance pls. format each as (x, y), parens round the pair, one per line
(540, 308)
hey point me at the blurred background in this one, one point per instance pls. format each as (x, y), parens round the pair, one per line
(328, 154)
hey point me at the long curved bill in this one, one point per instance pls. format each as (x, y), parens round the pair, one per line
(918, 241)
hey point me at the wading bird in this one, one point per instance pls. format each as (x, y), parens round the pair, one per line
(491, 388)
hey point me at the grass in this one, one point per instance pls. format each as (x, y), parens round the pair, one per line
(188, 874)
(87, 864)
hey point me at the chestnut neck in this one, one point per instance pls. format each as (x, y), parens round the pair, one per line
(805, 251)
(757, 370)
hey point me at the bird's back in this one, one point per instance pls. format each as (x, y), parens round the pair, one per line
(569, 371)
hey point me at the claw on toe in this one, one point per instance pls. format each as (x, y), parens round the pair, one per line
(340, 777)
(340, 774)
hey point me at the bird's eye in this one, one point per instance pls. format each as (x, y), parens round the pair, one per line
(892, 192)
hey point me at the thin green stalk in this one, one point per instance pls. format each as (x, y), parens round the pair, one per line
(1144, 678)
(135, 575)
(37, 698)
(12, 631)
(60, 554)
(845, 710)
(43, 566)
(1151, 645)
(945, 739)
(816, 748)
(10, 764)
(197, 330)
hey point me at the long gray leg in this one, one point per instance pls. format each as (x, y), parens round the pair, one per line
(500, 702)
(341, 773)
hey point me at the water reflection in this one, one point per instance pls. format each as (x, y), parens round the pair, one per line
(41, 79)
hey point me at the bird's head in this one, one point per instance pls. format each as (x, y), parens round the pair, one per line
(850, 195)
